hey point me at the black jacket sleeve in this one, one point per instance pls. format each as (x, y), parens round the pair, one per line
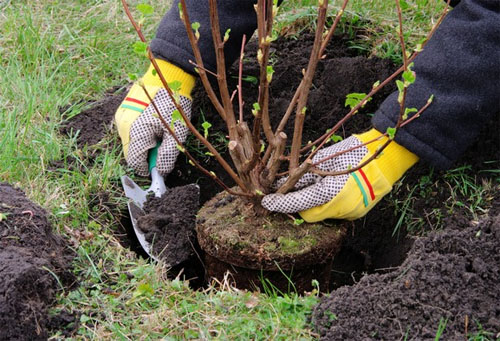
(172, 44)
(460, 66)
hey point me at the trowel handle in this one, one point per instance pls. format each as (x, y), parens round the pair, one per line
(153, 156)
(157, 182)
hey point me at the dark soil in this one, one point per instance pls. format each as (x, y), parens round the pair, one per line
(450, 275)
(30, 258)
(169, 223)
(94, 123)
(230, 231)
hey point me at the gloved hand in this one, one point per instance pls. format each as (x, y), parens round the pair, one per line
(139, 127)
(348, 196)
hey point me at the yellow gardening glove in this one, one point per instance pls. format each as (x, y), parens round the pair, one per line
(348, 196)
(138, 125)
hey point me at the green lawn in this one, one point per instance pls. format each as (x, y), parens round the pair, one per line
(55, 53)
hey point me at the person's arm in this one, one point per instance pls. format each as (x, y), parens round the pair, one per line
(460, 66)
(172, 44)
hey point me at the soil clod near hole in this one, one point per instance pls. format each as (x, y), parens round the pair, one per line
(31, 257)
(448, 275)
(94, 123)
(169, 223)
(237, 239)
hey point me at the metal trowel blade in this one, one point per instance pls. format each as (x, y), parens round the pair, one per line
(135, 212)
(133, 191)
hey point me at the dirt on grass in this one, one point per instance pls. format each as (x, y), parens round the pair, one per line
(34, 265)
(449, 277)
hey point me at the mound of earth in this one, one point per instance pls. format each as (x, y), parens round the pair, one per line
(448, 276)
(169, 223)
(34, 263)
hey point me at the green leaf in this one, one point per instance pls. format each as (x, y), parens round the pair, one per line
(140, 47)
(336, 138)
(408, 111)
(377, 83)
(391, 132)
(195, 26)
(298, 222)
(251, 79)
(270, 72)
(181, 14)
(256, 109)
(206, 125)
(400, 85)
(409, 76)
(353, 99)
(153, 72)
(145, 9)
(133, 76)
(226, 34)
(175, 86)
(176, 116)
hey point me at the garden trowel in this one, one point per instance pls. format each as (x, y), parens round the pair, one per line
(138, 197)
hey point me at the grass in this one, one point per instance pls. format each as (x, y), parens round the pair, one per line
(56, 53)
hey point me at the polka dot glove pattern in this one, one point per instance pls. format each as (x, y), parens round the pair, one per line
(147, 130)
(313, 190)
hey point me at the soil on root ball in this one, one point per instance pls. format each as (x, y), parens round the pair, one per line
(253, 247)
(169, 221)
(450, 275)
(31, 257)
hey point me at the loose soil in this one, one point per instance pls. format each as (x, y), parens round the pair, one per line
(34, 263)
(169, 223)
(93, 123)
(237, 239)
(450, 275)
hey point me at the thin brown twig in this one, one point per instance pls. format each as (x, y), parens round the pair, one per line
(204, 69)
(308, 77)
(190, 126)
(325, 137)
(199, 61)
(240, 76)
(221, 71)
(184, 150)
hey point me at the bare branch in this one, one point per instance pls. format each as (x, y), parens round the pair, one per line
(199, 61)
(185, 151)
(186, 119)
(240, 76)
(308, 77)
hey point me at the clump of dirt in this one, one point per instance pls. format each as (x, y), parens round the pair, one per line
(93, 123)
(230, 231)
(34, 263)
(450, 275)
(169, 223)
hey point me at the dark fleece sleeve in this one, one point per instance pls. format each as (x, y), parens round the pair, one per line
(172, 44)
(460, 66)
